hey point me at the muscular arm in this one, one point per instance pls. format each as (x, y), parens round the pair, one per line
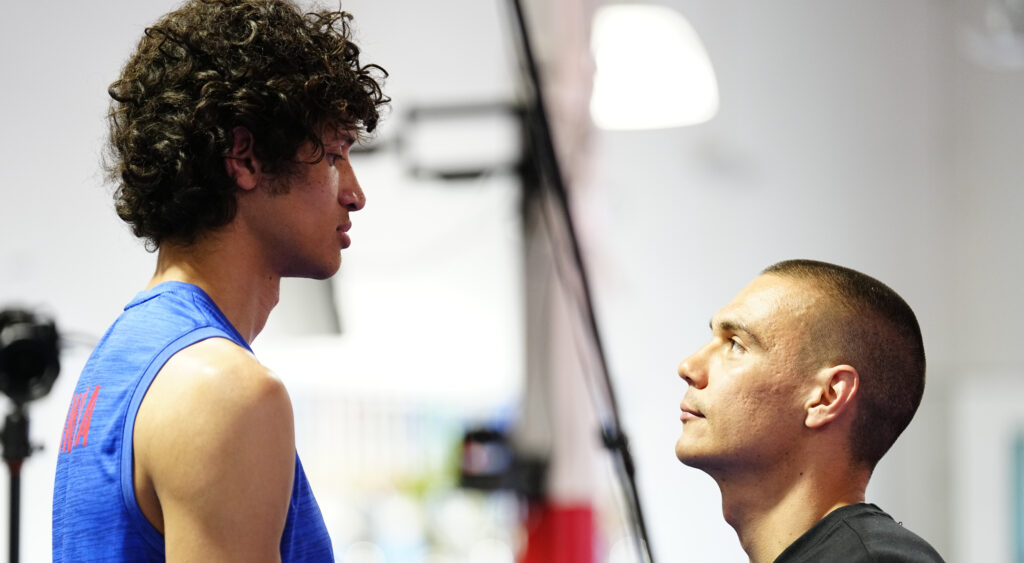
(215, 455)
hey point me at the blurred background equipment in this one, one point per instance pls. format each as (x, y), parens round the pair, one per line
(546, 454)
(29, 365)
(29, 355)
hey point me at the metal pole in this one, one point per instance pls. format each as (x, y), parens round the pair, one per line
(550, 170)
(15, 514)
(16, 449)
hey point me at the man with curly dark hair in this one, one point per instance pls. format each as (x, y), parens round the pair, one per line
(230, 132)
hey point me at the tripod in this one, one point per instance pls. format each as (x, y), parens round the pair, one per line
(29, 364)
(16, 448)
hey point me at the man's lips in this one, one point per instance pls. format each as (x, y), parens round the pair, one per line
(343, 235)
(689, 413)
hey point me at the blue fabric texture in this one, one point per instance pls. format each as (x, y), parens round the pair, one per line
(95, 513)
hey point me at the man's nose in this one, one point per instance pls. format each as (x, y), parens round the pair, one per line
(351, 194)
(694, 370)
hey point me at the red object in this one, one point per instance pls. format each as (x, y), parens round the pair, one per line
(559, 534)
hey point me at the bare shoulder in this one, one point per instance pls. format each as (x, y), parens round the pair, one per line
(215, 447)
(217, 369)
(212, 395)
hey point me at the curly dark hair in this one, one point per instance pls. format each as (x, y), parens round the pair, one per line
(213, 65)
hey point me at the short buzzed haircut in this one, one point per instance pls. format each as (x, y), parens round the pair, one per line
(870, 327)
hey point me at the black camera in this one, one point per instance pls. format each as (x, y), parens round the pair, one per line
(29, 355)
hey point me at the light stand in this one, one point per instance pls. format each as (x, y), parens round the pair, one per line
(542, 145)
(29, 364)
(15, 449)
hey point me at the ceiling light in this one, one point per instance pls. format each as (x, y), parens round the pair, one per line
(652, 70)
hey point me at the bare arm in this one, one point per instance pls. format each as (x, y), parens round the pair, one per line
(215, 455)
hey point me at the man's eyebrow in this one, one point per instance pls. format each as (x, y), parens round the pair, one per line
(340, 135)
(730, 325)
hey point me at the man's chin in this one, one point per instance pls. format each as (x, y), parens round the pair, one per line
(683, 451)
(688, 453)
(319, 272)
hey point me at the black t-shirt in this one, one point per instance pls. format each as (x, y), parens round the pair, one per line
(859, 533)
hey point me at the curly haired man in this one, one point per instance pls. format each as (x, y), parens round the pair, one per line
(230, 130)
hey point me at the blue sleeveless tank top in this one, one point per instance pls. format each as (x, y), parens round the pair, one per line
(95, 514)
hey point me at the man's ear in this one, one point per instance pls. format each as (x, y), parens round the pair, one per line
(834, 393)
(241, 163)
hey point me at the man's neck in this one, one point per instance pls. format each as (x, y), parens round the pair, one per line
(770, 512)
(243, 291)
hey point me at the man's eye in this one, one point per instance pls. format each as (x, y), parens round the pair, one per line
(735, 346)
(332, 158)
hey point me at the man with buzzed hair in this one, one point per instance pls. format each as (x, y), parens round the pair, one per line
(230, 130)
(811, 374)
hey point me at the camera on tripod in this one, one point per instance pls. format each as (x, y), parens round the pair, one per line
(29, 364)
(29, 355)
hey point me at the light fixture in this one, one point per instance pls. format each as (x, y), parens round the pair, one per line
(652, 70)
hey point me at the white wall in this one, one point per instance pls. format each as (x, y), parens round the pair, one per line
(854, 132)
